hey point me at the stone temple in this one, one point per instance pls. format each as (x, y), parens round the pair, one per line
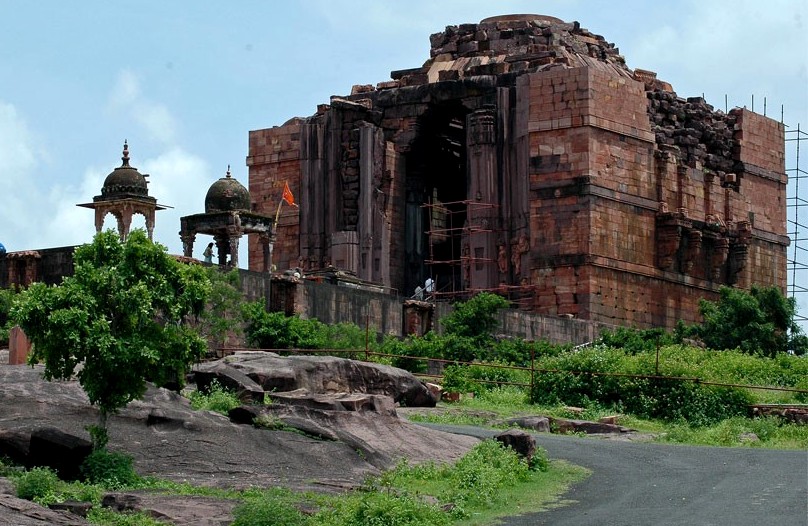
(526, 158)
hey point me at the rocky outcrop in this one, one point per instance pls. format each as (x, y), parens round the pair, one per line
(168, 439)
(319, 374)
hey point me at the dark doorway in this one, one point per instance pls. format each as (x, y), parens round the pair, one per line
(437, 188)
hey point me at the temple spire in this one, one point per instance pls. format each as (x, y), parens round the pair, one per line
(125, 157)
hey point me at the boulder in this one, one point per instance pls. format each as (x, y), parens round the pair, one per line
(521, 442)
(540, 424)
(565, 425)
(328, 374)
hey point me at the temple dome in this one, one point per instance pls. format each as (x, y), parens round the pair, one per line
(125, 181)
(226, 195)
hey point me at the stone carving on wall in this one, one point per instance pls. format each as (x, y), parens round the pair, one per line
(502, 258)
(519, 247)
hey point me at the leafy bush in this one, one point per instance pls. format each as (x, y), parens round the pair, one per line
(37, 484)
(217, 399)
(109, 469)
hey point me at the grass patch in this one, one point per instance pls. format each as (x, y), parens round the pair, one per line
(491, 407)
(491, 481)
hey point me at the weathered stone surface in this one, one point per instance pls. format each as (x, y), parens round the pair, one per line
(519, 441)
(182, 510)
(328, 374)
(7, 487)
(19, 512)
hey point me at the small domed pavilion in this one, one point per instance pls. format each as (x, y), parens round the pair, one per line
(124, 194)
(227, 217)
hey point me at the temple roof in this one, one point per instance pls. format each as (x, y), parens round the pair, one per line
(124, 181)
(227, 194)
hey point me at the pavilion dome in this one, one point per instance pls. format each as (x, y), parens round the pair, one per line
(226, 195)
(125, 181)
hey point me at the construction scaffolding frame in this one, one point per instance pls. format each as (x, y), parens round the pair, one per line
(796, 208)
(476, 218)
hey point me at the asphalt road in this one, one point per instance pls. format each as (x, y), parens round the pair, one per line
(636, 484)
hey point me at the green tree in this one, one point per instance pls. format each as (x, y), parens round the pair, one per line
(6, 300)
(760, 321)
(122, 316)
(222, 318)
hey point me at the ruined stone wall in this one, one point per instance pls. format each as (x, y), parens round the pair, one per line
(273, 160)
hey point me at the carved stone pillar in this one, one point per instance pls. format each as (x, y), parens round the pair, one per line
(188, 239)
(719, 257)
(483, 196)
(669, 228)
(739, 251)
(694, 238)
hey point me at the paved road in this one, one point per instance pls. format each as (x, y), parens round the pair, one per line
(635, 484)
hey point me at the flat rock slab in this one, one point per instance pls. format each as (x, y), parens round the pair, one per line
(179, 510)
(19, 512)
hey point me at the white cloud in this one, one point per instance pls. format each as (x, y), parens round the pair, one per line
(18, 160)
(127, 98)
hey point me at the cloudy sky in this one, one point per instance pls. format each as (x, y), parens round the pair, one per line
(184, 82)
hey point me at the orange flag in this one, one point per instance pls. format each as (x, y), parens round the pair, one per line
(287, 195)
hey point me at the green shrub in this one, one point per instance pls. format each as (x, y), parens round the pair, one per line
(478, 477)
(382, 509)
(574, 382)
(109, 469)
(217, 399)
(37, 484)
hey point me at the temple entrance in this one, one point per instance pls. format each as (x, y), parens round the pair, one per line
(437, 188)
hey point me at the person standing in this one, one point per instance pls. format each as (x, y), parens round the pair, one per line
(208, 253)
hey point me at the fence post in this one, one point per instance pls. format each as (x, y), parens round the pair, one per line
(532, 371)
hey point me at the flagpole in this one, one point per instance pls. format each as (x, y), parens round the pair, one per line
(278, 212)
